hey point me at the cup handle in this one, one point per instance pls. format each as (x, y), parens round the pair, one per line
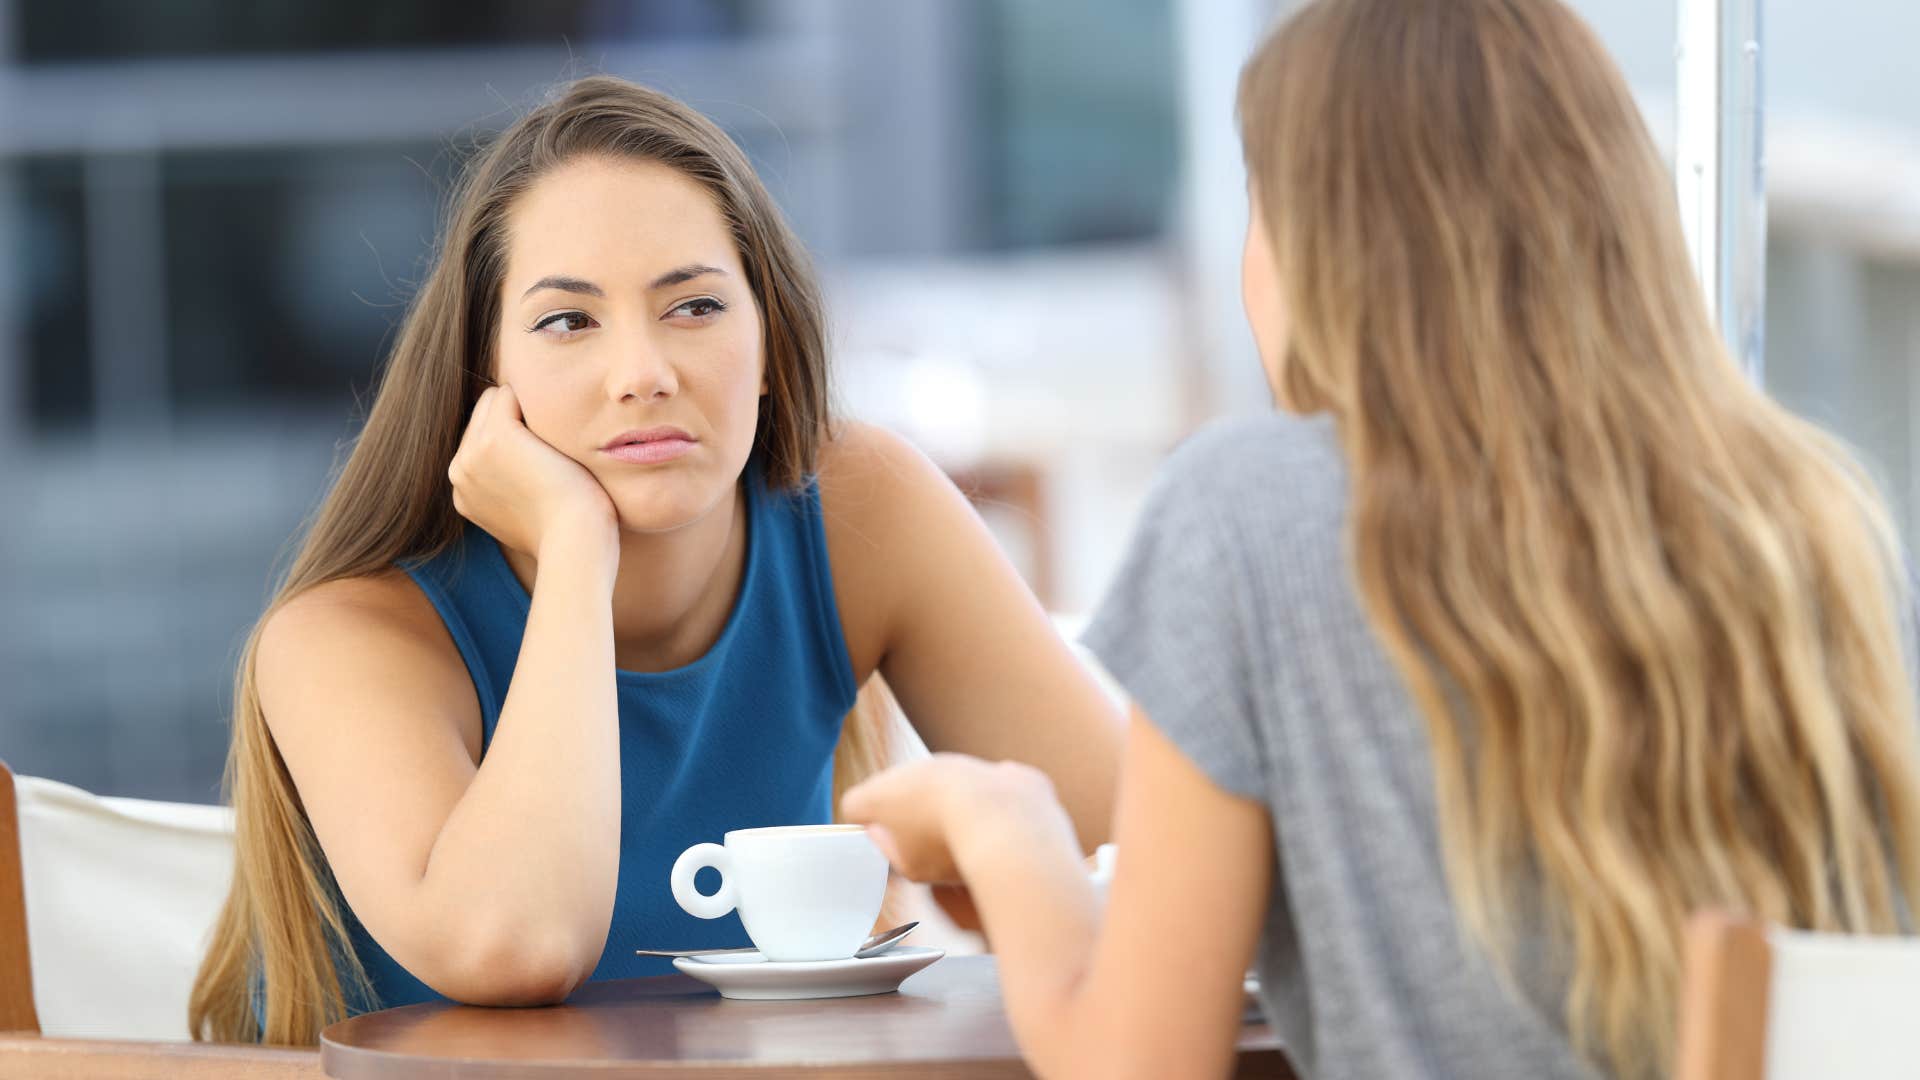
(691, 862)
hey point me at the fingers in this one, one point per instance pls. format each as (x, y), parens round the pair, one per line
(857, 802)
(853, 806)
(495, 401)
(877, 795)
(882, 838)
(509, 403)
(481, 407)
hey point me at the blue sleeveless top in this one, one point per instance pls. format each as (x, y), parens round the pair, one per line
(740, 738)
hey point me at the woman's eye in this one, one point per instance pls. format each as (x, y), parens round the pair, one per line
(699, 308)
(563, 323)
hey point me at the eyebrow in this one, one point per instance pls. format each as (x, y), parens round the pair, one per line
(677, 276)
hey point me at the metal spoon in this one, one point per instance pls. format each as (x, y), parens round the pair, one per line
(873, 946)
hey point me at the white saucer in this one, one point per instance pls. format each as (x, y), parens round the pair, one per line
(752, 977)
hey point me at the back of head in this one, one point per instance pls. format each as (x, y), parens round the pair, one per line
(1649, 617)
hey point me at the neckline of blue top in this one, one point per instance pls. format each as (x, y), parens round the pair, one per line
(497, 561)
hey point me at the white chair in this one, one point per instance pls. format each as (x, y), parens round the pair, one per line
(121, 895)
(1764, 1003)
(105, 907)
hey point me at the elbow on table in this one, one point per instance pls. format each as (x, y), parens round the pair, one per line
(515, 967)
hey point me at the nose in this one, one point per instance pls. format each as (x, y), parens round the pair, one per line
(641, 370)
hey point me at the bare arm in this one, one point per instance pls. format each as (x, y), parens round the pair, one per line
(928, 598)
(492, 884)
(1152, 989)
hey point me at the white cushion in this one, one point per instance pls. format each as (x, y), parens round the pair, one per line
(121, 898)
(1842, 1006)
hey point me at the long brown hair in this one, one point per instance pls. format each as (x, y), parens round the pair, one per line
(1651, 619)
(281, 924)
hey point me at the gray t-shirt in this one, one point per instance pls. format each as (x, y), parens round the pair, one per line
(1234, 623)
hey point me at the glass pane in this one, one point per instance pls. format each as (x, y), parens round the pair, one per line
(88, 30)
(287, 270)
(1079, 121)
(55, 302)
(1843, 273)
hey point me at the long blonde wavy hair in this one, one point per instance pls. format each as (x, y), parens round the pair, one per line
(281, 923)
(1652, 620)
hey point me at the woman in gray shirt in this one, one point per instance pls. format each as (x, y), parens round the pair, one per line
(1534, 629)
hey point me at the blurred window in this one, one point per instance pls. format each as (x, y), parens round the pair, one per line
(1079, 130)
(53, 279)
(283, 274)
(93, 30)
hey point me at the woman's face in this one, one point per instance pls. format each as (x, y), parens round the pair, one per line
(1260, 294)
(625, 309)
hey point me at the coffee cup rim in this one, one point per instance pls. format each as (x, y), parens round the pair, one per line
(829, 829)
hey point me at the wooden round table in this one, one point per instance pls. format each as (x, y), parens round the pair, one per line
(945, 1022)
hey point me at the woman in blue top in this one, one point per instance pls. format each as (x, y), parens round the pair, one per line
(598, 581)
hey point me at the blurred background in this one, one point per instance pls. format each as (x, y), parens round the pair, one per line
(1028, 214)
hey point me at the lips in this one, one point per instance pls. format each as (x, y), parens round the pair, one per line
(642, 436)
(649, 446)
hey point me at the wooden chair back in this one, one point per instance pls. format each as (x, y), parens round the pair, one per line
(16, 969)
(1764, 1003)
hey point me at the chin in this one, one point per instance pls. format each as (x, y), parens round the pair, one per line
(663, 509)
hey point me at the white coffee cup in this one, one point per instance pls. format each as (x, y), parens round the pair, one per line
(804, 892)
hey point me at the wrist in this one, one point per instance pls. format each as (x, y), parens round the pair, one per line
(581, 542)
(1009, 804)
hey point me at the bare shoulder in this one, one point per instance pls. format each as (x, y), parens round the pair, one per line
(864, 470)
(343, 641)
(878, 492)
(892, 518)
(875, 492)
(387, 605)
